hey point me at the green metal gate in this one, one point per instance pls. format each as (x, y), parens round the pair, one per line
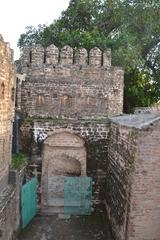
(28, 202)
(78, 195)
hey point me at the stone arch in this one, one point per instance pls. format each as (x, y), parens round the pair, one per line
(64, 144)
(72, 166)
(64, 154)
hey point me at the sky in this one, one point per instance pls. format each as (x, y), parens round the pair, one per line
(15, 15)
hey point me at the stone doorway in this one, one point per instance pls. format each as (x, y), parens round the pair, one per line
(64, 154)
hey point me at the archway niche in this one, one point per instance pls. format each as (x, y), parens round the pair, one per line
(64, 155)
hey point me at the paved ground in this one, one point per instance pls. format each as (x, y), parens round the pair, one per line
(76, 228)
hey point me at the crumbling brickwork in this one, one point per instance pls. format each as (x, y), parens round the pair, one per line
(55, 87)
(95, 134)
(132, 185)
(7, 95)
(64, 155)
(9, 191)
(121, 157)
(74, 91)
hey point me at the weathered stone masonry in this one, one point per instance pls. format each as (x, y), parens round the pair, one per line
(94, 133)
(74, 101)
(7, 89)
(65, 93)
(68, 90)
(133, 190)
(9, 195)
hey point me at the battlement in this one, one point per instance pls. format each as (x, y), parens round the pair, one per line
(38, 55)
(69, 83)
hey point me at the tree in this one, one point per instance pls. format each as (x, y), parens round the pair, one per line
(129, 27)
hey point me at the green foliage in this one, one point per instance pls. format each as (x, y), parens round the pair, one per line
(139, 91)
(19, 160)
(129, 27)
(32, 36)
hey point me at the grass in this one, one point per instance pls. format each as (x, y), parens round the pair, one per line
(19, 160)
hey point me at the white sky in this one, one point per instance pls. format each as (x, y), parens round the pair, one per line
(15, 15)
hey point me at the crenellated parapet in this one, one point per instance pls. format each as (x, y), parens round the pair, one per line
(69, 83)
(38, 56)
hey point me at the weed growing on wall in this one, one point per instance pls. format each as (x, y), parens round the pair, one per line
(19, 160)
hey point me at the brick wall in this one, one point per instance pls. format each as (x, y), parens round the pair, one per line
(144, 220)
(121, 151)
(132, 184)
(94, 133)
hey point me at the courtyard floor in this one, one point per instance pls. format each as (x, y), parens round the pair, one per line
(76, 228)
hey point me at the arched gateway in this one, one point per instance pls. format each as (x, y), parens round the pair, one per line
(64, 155)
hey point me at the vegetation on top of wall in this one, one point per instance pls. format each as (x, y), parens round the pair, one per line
(19, 160)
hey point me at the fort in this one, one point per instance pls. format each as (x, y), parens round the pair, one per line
(64, 97)
(70, 122)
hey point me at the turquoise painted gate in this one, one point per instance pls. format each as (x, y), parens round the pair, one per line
(28, 202)
(78, 195)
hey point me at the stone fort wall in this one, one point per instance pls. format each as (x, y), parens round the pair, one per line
(7, 100)
(59, 83)
(9, 189)
(34, 132)
(73, 90)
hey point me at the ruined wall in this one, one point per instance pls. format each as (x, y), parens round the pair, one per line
(64, 155)
(58, 84)
(8, 217)
(69, 90)
(144, 220)
(10, 206)
(95, 134)
(121, 151)
(9, 190)
(132, 184)
(7, 92)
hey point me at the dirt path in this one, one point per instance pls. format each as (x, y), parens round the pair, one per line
(76, 228)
